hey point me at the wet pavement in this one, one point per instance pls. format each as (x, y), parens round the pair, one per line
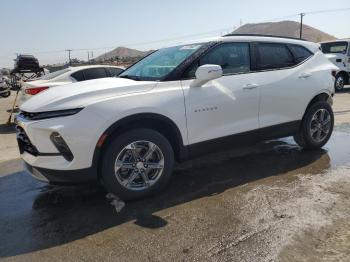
(271, 202)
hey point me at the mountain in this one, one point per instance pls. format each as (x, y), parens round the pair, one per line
(285, 28)
(122, 52)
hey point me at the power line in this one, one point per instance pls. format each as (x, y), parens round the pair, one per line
(135, 44)
(327, 11)
(190, 35)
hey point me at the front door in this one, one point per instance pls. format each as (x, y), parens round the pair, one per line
(225, 106)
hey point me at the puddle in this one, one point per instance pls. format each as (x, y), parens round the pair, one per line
(53, 216)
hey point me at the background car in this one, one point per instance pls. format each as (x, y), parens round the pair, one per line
(26, 62)
(338, 52)
(66, 76)
(4, 88)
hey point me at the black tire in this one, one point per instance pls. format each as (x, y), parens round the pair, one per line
(304, 137)
(339, 82)
(118, 144)
(6, 94)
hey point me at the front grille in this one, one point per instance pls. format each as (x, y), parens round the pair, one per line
(24, 143)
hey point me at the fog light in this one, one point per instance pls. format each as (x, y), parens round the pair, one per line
(61, 146)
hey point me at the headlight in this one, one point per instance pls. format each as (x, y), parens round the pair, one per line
(49, 114)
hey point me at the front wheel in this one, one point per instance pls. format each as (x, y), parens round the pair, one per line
(137, 163)
(316, 127)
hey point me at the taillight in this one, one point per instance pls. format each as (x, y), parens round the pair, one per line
(334, 73)
(35, 90)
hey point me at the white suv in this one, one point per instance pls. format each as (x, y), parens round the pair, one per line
(175, 104)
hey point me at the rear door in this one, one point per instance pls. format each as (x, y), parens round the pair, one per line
(284, 78)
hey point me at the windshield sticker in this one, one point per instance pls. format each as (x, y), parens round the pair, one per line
(190, 47)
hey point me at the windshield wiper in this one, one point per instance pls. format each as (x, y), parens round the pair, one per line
(136, 78)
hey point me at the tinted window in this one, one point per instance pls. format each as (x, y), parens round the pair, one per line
(113, 72)
(54, 74)
(78, 76)
(300, 53)
(94, 73)
(273, 56)
(232, 57)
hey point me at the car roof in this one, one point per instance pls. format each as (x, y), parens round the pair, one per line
(259, 38)
(337, 40)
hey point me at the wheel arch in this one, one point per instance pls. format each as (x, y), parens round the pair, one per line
(158, 122)
(324, 95)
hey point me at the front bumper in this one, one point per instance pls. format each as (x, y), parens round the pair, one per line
(80, 132)
(87, 175)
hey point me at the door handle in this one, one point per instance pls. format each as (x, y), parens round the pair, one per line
(250, 86)
(304, 75)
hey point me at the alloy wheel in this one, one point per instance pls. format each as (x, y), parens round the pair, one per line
(320, 125)
(139, 165)
(339, 83)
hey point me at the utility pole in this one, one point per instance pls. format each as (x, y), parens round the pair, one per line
(69, 50)
(301, 24)
(88, 56)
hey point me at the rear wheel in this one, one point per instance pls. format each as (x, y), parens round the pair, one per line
(317, 126)
(6, 94)
(137, 163)
(339, 82)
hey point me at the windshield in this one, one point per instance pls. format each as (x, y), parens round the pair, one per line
(54, 74)
(160, 63)
(334, 47)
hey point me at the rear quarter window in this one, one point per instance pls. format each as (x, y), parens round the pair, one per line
(94, 73)
(273, 56)
(300, 53)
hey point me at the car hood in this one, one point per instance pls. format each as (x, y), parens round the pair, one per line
(83, 93)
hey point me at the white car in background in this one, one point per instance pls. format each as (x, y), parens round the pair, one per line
(338, 52)
(66, 76)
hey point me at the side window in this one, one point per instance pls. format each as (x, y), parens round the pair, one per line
(232, 57)
(273, 56)
(94, 73)
(78, 76)
(300, 53)
(113, 72)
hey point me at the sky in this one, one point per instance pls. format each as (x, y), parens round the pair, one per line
(47, 28)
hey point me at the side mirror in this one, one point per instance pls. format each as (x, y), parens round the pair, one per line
(205, 73)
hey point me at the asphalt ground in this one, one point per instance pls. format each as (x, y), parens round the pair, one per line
(270, 202)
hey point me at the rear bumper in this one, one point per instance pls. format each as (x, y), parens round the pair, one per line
(79, 176)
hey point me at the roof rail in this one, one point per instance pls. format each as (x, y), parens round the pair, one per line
(261, 35)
